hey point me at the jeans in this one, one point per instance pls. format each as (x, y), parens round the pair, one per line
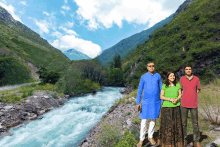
(194, 117)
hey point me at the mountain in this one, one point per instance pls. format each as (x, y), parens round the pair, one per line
(20, 44)
(193, 37)
(127, 45)
(73, 54)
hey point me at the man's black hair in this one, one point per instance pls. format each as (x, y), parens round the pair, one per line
(188, 65)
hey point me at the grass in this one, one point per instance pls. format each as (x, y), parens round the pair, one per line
(16, 95)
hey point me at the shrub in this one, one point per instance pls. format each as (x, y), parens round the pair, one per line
(127, 140)
(109, 134)
(136, 120)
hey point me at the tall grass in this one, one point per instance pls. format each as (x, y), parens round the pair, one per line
(209, 101)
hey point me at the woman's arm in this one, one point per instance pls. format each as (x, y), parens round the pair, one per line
(179, 96)
(163, 97)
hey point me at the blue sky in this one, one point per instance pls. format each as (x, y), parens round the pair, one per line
(89, 26)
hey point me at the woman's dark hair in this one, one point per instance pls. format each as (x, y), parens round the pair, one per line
(167, 80)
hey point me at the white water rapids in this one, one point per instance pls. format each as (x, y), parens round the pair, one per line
(65, 126)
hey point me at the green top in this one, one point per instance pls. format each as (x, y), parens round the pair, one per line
(171, 92)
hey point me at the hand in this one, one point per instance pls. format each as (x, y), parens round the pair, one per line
(175, 101)
(138, 107)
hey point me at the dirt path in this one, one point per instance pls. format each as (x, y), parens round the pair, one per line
(9, 87)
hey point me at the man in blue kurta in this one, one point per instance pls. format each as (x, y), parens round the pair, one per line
(151, 104)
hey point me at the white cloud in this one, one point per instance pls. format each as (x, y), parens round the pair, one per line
(65, 1)
(99, 13)
(66, 8)
(70, 41)
(43, 25)
(70, 32)
(62, 12)
(46, 24)
(56, 34)
(23, 3)
(4, 1)
(69, 24)
(11, 10)
(46, 13)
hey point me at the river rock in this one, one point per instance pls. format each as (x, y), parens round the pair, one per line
(66, 96)
(40, 112)
(7, 107)
(40, 117)
(3, 134)
(217, 129)
(46, 97)
(1, 113)
(33, 117)
(34, 96)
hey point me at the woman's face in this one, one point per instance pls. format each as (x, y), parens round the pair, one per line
(171, 77)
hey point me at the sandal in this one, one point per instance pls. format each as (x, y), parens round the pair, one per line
(139, 145)
(152, 141)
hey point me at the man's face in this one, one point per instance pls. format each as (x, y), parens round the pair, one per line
(151, 67)
(188, 71)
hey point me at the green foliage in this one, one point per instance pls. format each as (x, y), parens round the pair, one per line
(136, 120)
(54, 95)
(82, 76)
(116, 77)
(48, 76)
(127, 140)
(13, 71)
(10, 98)
(109, 135)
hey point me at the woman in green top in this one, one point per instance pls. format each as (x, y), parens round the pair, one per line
(170, 133)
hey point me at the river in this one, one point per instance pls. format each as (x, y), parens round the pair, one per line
(65, 126)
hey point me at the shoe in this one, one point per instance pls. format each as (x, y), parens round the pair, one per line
(152, 141)
(197, 144)
(139, 145)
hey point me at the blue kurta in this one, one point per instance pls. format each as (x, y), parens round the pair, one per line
(151, 103)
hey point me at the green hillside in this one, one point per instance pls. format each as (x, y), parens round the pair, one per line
(191, 37)
(127, 45)
(24, 45)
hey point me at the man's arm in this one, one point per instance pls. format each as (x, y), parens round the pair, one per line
(160, 85)
(198, 87)
(140, 89)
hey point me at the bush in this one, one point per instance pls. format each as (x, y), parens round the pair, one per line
(109, 134)
(127, 140)
(136, 120)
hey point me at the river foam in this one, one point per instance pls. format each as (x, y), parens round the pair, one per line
(65, 126)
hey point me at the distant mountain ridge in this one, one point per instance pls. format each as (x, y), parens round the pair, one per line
(127, 45)
(73, 54)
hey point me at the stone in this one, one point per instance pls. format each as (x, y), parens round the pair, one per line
(27, 101)
(217, 129)
(35, 97)
(217, 141)
(1, 113)
(129, 122)
(3, 134)
(46, 97)
(7, 107)
(66, 96)
(40, 117)
(40, 112)
(33, 117)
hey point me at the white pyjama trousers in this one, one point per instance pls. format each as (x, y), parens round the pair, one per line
(144, 128)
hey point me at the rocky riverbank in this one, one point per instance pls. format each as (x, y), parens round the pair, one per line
(15, 115)
(123, 117)
(120, 115)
